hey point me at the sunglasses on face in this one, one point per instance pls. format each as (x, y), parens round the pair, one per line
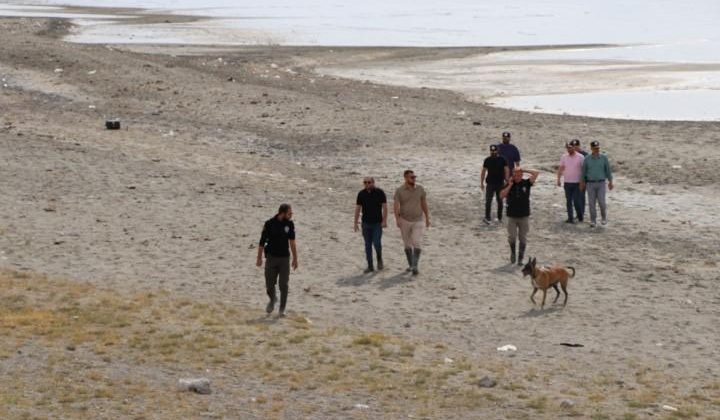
(367, 182)
(412, 176)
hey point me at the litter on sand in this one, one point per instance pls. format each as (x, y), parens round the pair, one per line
(507, 347)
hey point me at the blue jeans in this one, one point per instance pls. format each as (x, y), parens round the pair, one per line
(574, 198)
(372, 233)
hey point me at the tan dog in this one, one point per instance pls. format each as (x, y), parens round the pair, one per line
(546, 277)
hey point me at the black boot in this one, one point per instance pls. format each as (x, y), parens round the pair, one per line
(409, 255)
(380, 264)
(512, 253)
(416, 260)
(521, 254)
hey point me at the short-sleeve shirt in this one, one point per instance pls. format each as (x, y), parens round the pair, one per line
(371, 203)
(495, 166)
(410, 199)
(276, 237)
(518, 199)
(573, 165)
(510, 153)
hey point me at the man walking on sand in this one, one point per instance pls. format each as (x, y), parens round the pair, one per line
(497, 172)
(509, 152)
(373, 203)
(571, 164)
(517, 193)
(409, 206)
(276, 242)
(595, 173)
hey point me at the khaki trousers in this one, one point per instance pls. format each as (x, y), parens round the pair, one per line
(412, 233)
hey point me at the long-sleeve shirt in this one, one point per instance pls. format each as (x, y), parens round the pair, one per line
(596, 168)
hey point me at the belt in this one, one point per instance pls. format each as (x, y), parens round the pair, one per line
(597, 180)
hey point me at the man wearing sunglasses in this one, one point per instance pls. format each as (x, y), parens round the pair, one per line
(409, 207)
(373, 204)
(596, 174)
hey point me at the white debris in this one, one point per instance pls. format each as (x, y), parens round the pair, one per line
(273, 65)
(362, 406)
(91, 72)
(507, 347)
(669, 408)
(449, 360)
(197, 385)
(58, 70)
(677, 166)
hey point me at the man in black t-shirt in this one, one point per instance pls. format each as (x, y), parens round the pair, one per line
(517, 195)
(276, 242)
(373, 204)
(497, 171)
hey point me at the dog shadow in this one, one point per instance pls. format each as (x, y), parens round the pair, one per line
(536, 312)
(357, 280)
(396, 280)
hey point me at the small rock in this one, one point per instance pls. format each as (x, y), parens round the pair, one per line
(486, 382)
(477, 123)
(197, 385)
(70, 347)
(407, 325)
(567, 403)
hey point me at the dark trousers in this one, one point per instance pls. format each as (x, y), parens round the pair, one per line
(277, 268)
(574, 198)
(372, 233)
(490, 191)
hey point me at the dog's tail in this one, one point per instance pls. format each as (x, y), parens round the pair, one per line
(573, 271)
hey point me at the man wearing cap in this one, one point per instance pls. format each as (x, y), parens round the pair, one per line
(373, 203)
(497, 172)
(409, 206)
(576, 144)
(509, 152)
(571, 164)
(276, 242)
(595, 173)
(517, 193)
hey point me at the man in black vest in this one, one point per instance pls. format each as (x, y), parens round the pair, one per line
(496, 168)
(517, 194)
(276, 242)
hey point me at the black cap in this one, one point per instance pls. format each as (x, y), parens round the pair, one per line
(574, 142)
(594, 143)
(506, 134)
(493, 148)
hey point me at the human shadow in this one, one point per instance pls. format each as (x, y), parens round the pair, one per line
(356, 280)
(508, 268)
(396, 280)
(268, 319)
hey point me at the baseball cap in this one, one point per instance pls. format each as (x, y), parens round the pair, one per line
(493, 148)
(594, 143)
(574, 142)
(506, 134)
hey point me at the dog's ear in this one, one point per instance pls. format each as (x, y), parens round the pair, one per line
(533, 261)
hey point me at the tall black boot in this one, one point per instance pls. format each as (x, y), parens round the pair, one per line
(380, 264)
(416, 260)
(522, 253)
(409, 255)
(512, 253)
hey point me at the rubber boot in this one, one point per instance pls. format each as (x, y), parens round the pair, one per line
(512, 253)
(409, 255)
(521, 254)
(380, 264)
(416, 260)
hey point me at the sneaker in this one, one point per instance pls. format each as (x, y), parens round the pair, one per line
(270, 306)
(569, 221)
(281, 313)
(604, 222)
(409, 269)
(487, 221)
(368, 270)
(415, 271)
(592, 224)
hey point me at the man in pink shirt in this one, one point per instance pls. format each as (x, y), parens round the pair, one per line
(571, 169)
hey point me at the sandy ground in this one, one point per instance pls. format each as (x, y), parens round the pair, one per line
(212, 144)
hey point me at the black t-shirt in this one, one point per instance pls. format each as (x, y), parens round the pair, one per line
(495, 166)
(275, 237)
(518, 199)
(371, 203)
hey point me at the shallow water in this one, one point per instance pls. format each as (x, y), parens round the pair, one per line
(608, 82)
